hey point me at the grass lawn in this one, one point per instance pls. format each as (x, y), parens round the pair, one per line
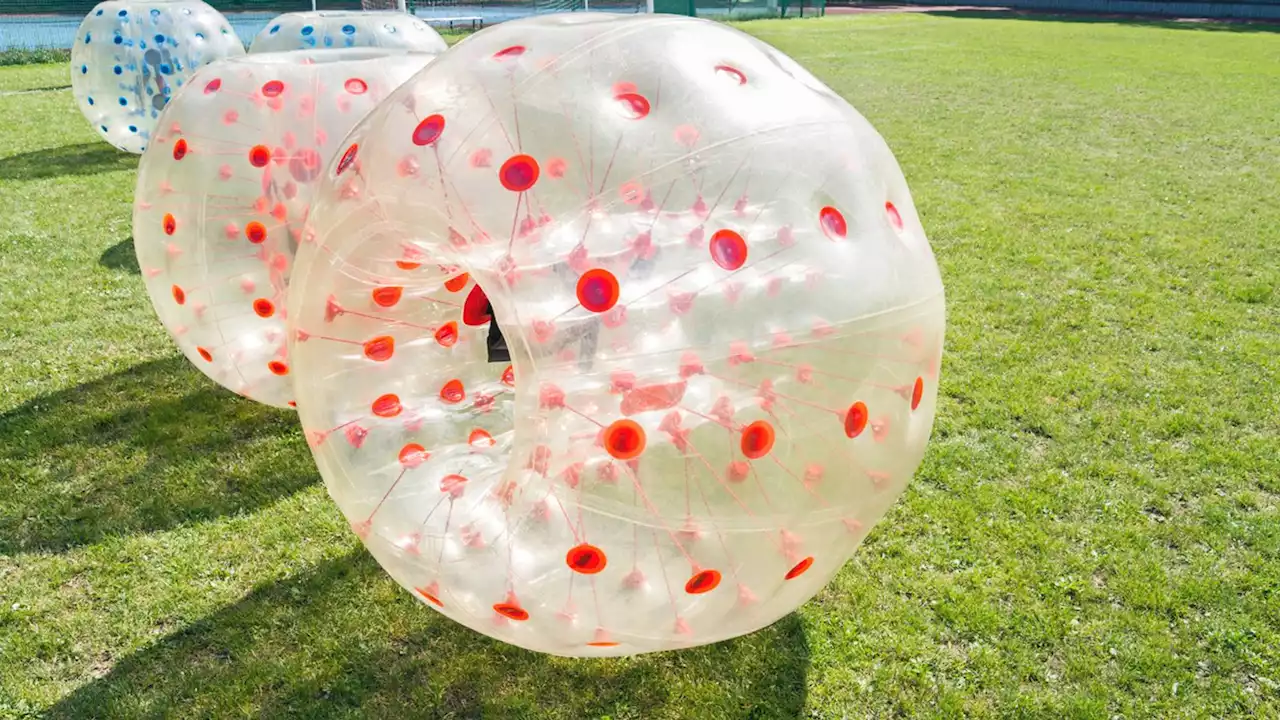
(1095, 531)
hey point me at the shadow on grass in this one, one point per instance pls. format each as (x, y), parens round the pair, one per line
(121, 257)
(149, 448)
(344, 641)
(83, 159)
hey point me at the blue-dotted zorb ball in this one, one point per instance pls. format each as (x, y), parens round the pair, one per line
(319, 30)
(131, 56)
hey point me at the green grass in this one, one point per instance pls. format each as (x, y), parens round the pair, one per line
(1095, 531)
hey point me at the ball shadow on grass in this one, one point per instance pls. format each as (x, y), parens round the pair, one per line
(81, 159)
(121, 257)
(146, 449)
(344, 641)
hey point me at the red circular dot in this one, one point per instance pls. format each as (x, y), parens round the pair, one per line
(278, 368)
(518, 173)
(447, 334)
(895, 217)
(702, 581)
(255, 231)
(510, 52)
(728, 249)
(387, 296)
(917, 393)
(511, 611)
(429, 597)
(429, 130)
(732, 73)
(213, 86)
(799, 568)
(387, 405)
(180, 149)
(208, 356)
(757, 439)
(832, 222)
(264, 308)
(475, 309)
(259, 156)
(347, 158)
(454, 284)
(305, 165)
(413, 455)
(453, 392)
(380, 349)
(634, 105)
(855, 419)
(586, 559)
(179, 295)
(356, 86)
(454, 485)
(273, 88)
(481, 438)
(598, 290)
(624, 439)
(169, 224)
(509, 376)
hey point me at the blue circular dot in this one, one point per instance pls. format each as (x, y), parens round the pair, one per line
(98, 13)
(154, 13)
(165, 69)
(87, 36)
(328, 41)
(124, 101)
(90, 100)
(348, 29)
(118, 70)
(119, 40)
(159, 39)
(307, 30)
(274, 29)
(123, 13)
(200, 36)
(104, 128)
(133, 128)
(84, 69)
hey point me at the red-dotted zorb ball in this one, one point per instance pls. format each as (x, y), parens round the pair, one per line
(723, 318)
(131, 56)
(223, 193)
(344, 29)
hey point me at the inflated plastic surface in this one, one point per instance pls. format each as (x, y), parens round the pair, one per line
(223, 192)
(344, 29)
(129, 58)
(724, 320)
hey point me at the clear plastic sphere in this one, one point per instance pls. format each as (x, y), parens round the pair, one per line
(344, 29)
(723, 317)
(131, 56)
(223, 192)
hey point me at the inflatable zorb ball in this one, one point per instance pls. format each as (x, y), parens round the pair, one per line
(131, 57)
(329, 29)
(223, 192)
(723, 320)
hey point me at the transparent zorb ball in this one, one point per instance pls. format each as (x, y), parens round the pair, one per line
(615, 334)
